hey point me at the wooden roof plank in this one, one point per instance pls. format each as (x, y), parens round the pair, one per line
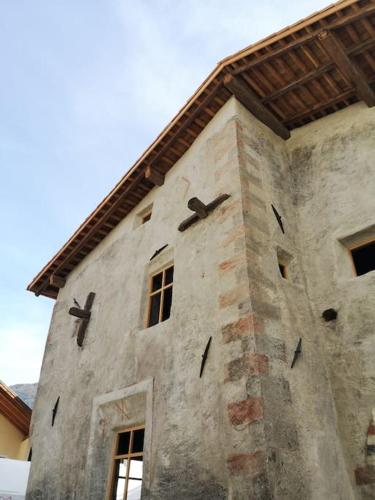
(349, 69)
(306, 38)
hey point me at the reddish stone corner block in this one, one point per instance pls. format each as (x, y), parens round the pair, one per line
(235, 234)
(241, 328)
(365, 475)
(233, 296)
(249, 364)
(233, 262)
(250, 464)
(229, 209)
(246, 411)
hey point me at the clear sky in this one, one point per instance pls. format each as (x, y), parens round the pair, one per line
(85, 87)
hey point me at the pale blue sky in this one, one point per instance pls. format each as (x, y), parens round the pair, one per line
(85, 87)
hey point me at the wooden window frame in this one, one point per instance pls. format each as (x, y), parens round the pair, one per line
(161, 290)
(357, 246)
(127, 456)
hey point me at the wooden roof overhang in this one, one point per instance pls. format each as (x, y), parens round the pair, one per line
(306, 71)
(14, 409)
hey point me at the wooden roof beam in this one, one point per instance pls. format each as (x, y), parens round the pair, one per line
(336, 51)
(57, 281)
(316, 72)
(252, 102)
(153, 175)
(349, 18)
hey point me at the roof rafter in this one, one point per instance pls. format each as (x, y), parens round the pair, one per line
(348, 68)
(304, 39)
(251, 101)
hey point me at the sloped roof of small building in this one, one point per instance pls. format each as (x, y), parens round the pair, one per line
(315, 67)
(14, 409)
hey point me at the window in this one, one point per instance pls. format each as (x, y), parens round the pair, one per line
(146, 217)
(160, 296)
(284, 260)
(283, 270)
(364, 258)
(143, 216)
(127, 466)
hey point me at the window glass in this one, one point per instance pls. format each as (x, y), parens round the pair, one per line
(119, 479)
(123, 443)
(154, 309)
(135, 479)
(138, 439)
(169, 276)
(157, 282)
(167, 303)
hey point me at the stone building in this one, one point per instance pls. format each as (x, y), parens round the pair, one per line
(226, 343)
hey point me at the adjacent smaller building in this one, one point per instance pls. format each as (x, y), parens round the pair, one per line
(15, 418)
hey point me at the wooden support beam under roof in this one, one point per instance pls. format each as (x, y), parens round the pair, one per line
(153, 175)
(57, 281)
(336, 51)
(251, 101)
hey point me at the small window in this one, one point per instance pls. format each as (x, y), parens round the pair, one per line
(146, 217)
(364, 258)
(283, 270)
(143, 216)
(284, 260)
(160, 296)
(127, 465)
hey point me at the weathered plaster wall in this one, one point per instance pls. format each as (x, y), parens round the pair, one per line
(297, 430)
(188, 439)
(334, 196)
(251, 427)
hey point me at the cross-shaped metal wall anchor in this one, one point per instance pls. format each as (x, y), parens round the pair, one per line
(201, 210)
(84, 315)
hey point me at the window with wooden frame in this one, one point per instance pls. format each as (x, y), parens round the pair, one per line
(127, 465)
(363, 257)
(160, 296)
